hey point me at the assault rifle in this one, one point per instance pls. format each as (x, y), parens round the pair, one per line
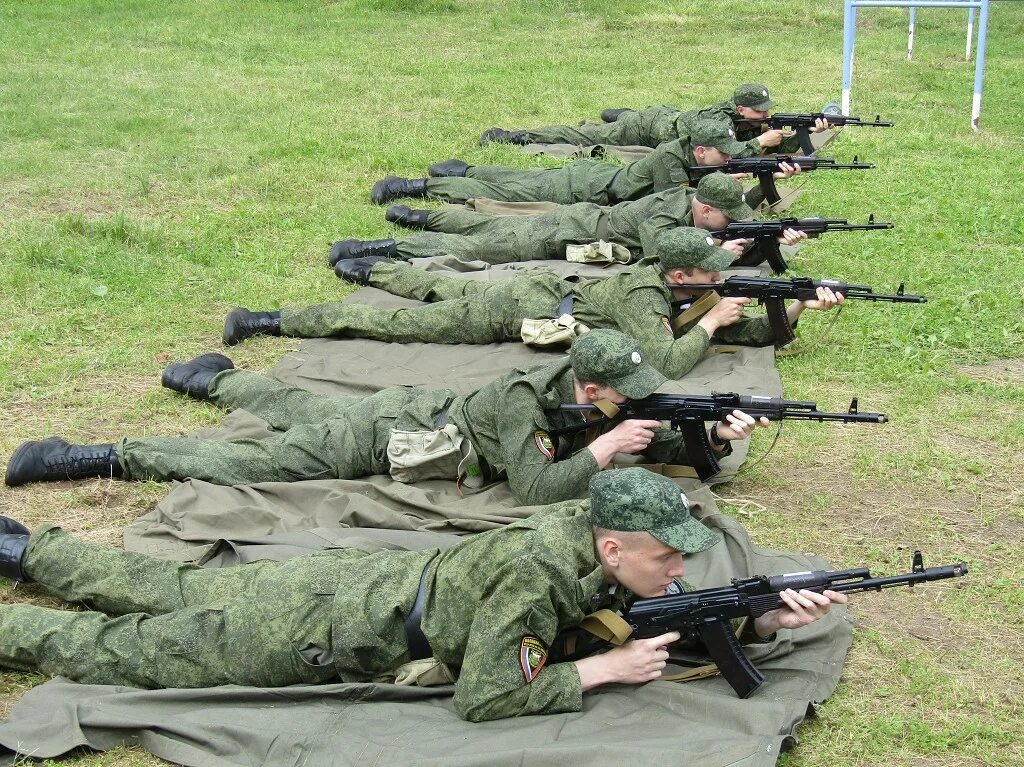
(765, 235)
(772, 293)
(764, 168)
(801, 124)
(707, 613)
(686, 413)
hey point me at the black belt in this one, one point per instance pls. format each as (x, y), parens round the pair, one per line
(419, 647)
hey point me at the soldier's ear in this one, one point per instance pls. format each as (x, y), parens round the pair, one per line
(610, 549)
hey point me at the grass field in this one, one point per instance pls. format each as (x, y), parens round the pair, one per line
(164, 162)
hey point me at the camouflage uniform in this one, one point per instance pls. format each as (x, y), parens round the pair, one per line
(507, 422)
(656, 125)
(502, 239)
(635, 301)
(493, 604)
(601, 183)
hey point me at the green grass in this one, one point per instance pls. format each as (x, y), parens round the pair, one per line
(164, 162)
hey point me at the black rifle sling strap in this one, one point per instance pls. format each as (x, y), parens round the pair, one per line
(779, 322)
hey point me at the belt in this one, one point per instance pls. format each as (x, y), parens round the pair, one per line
(419, 647)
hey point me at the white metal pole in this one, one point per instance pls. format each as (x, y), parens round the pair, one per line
(910, 33)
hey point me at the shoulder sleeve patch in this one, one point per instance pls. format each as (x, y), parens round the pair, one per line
(532, 657)
(544, 444)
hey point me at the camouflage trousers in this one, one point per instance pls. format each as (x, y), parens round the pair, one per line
(460, 310)
(580, 181)
(647, 127)
(504, 239)
(165, 624)
(321, 617)
(325, 437)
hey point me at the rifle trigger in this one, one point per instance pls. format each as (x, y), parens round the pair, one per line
(853, 406)
(918, 566)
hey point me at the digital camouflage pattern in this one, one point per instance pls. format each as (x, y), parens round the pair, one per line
(615, 359)
(685, 247)
(753, 95)
(328, 437)
(333, 615)
(634, 499)
(654, 126)
(601, 183)
(725, 193)
(634, 301)
(469, 235)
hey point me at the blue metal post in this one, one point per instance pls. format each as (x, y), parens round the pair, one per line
(910, 33)
(970, 33)
(979, 67)
(849, 31)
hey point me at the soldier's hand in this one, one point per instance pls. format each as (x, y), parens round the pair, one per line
(736, 246)
(786, 170)
(801, 609)
(741, 176)
(827, 299)
(771, 138)
(635, 662)
(634, 435)
(738, 425)
(820, 125)
(726, 312)
(792, 237)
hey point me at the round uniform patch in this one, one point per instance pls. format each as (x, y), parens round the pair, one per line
(764, 93)
(709, 240)
(731, 132)
(637, 359)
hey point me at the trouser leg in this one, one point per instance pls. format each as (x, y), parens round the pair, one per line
(267, 624)
(352, 443)
(470, 319)
(626, 131)
(409, 282)
(279, 405)
(509, 184)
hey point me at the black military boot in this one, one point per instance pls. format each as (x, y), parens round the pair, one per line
(13, 542)
(449, 169)
(241, 324)
(611, 115)
(517, 137)
(394, 187)
(358, 270)
(347, 249)
(193, 377)
(410, 218)
(54, 460)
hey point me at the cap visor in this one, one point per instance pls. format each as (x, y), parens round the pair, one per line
(764, 106)
(718, 260)
(689, 536)
(732, 148)
(641, 383)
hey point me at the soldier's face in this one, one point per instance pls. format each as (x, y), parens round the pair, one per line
(712, 156)
(706, 217)
(749, 113)
(647, 567)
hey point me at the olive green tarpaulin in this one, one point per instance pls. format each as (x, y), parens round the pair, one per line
(700, 723)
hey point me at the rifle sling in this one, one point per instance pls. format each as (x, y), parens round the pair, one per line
(698, 308)
(609, 627)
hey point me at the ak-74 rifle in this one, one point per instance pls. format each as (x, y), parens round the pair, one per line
(686, 413)
(802, 123)
(764, 168)
(765, 236)
(772, 293)
(707, 614)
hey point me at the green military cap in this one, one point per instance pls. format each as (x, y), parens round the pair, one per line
(685, 247)
(636, 499)
(725, 193)
(753, 95)
(717, 134)
(609, 357)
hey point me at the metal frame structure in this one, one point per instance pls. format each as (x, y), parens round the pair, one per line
(850, 32)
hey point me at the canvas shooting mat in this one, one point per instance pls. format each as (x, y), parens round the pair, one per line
(700, 723)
